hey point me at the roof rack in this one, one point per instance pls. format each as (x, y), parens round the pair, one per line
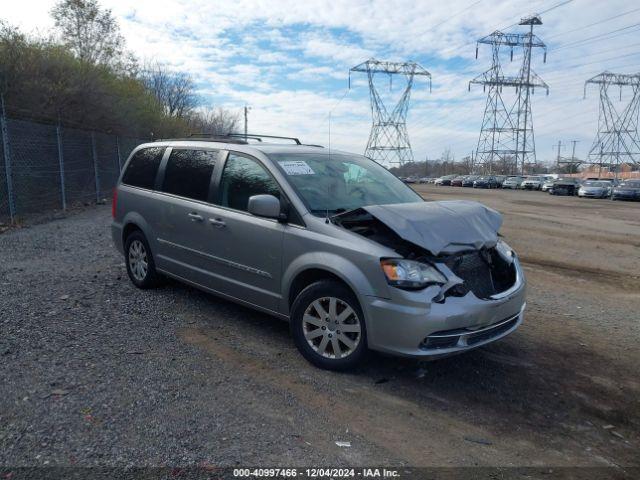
(259, 138)
(238, 138)
(205, 137)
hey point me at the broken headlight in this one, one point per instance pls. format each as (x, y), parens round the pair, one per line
(411, 274)
(504, 250)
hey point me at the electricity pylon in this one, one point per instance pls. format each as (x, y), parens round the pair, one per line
(506, 135)
(389, 140)
(617, 140)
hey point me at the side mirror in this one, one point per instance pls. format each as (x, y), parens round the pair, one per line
(266, 206)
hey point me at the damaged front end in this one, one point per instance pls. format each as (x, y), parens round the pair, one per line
(458, 239)
(462, 286)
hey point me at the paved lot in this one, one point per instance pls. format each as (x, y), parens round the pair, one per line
(94, 371)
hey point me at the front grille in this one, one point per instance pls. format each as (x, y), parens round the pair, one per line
(484, 272)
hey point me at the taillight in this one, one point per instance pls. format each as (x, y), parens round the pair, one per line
(114, 202)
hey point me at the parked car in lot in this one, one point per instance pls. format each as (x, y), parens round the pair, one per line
(547, 184)
(444, 180)
(457, 181)
(488, 181)
(564, 186)
(500, 179)
(410, 180)
(332, 243)
(533, 182)
(468, 180)
(595, 189)
(425, 180)
(512, 182)
(627, 190)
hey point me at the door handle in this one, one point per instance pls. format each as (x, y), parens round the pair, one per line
(195, 217)
(217, 222)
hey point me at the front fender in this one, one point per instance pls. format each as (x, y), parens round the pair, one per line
(361, 284)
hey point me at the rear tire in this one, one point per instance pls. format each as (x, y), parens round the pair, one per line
(140, 265)
(328, 326)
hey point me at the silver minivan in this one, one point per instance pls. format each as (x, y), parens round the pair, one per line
(329, 241)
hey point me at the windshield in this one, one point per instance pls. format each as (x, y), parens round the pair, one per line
(339, 182)
(595, 184)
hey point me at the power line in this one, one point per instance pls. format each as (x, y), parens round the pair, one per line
(593, 24)
(620, 31)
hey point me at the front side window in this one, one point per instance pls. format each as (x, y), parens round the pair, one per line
(242, 178)
(333, 183)
(143, 167)
(188, 173)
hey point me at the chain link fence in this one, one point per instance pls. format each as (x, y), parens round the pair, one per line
(49, 167)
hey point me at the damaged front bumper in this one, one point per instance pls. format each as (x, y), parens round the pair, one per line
(411, 324)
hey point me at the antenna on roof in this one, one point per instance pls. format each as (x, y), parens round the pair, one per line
(334, 107)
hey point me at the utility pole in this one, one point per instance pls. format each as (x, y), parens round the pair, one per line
(558, 158)
(573, 157)
(389, 140)
(573, 150)
(246, 121)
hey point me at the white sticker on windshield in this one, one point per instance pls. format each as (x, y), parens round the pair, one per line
(296, 167)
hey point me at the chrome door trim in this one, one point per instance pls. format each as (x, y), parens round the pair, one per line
(223, 261)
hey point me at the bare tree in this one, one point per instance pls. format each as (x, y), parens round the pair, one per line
(215, 121)
(174, 90)
(466, 164)
(90, 32)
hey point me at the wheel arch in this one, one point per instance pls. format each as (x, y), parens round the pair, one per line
(135, 222)
(309, 276)
(311, 267)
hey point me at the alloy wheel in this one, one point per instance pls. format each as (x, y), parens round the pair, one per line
(138, 261)
(331, 327)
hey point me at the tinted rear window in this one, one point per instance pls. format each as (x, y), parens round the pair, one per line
(188, 173)
(142, 168)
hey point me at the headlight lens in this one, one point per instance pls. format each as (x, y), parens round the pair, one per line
(504, 250)
(411, 274)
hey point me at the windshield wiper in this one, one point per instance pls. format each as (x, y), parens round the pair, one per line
(329, 212)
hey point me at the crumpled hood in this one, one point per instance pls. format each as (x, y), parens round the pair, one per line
(441, 227)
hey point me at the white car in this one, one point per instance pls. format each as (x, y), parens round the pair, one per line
(548, 184)
(512, 183)
(533, 182)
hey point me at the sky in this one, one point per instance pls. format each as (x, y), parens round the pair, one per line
(289, 61)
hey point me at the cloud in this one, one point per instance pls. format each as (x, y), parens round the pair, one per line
(289, 60)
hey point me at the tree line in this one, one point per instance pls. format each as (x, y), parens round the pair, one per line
(81, 75)
(448, 165)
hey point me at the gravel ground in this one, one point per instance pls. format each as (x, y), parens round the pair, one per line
(96, 372)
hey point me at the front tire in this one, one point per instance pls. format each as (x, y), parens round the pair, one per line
(140, 265)
(328, 326)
